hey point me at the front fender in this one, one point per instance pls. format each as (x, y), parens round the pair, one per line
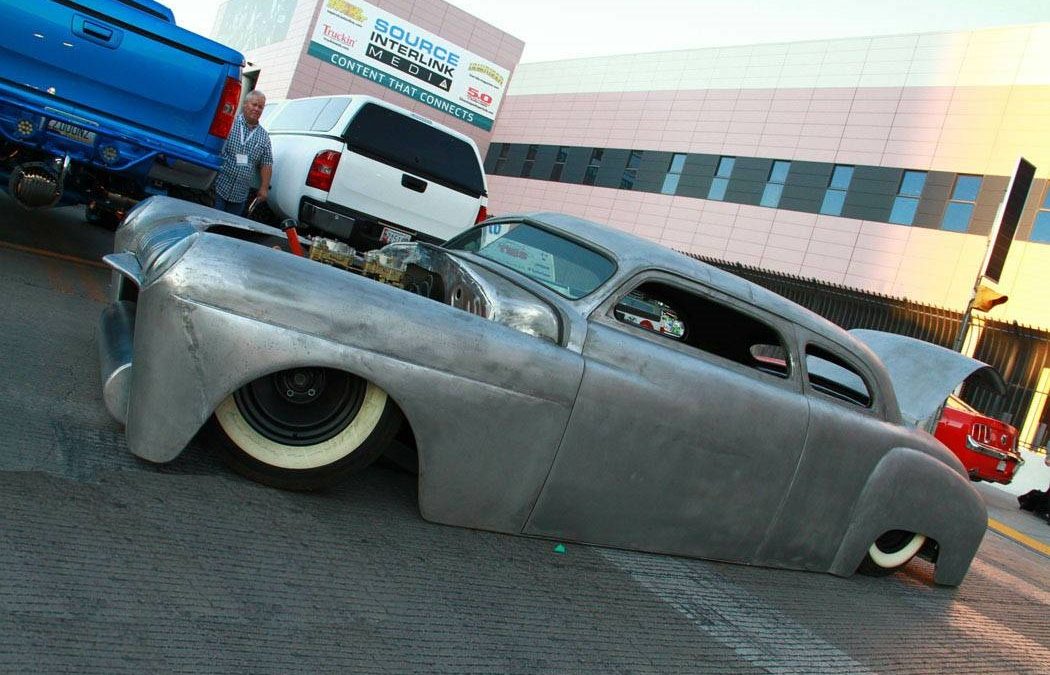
(909, 490)
(230, 311)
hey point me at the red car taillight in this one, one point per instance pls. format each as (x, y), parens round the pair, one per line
(226, 113)
(322, 171)
(981, 433)
(483, 214)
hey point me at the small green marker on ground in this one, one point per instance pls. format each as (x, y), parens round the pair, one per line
(560, 548)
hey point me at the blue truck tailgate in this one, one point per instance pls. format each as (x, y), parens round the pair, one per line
(107, 61)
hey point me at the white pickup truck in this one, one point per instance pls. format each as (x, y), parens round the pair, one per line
(369, 173)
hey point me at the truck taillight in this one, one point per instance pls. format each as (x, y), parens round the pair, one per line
(483, 214)
(322, 171)
(226, 113)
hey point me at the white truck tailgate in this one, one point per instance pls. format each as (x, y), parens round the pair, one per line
(379, 190)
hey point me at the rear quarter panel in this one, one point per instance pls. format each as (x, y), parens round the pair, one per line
(910, 490)
(292, 156)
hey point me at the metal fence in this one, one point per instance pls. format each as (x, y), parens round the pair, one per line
(1020, 353)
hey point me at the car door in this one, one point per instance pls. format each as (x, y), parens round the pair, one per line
(687, 428)
(847, 437)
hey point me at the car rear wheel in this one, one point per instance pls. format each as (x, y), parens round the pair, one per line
(890, 552)
(304, 428)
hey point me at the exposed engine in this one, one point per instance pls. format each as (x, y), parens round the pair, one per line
(412, 266)
(431, 272)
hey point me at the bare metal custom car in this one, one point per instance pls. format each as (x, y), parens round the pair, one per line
(554, 377)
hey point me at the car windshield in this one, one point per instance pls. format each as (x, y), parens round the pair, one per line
(565, 266)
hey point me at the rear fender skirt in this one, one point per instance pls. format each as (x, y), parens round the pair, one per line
(908, 490)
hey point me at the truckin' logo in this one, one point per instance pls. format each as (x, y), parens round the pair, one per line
(347, 10)
(339, 36)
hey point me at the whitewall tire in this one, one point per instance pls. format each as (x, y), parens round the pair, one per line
(891, 551)
(304, 428)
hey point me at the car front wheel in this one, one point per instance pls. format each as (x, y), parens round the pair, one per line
(304, 428)
(890, 552)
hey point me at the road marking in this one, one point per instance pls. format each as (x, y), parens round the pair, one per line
(51, 254)
(754, 629)
(1019, 537)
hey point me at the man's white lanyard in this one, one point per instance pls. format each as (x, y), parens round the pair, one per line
(244, 141)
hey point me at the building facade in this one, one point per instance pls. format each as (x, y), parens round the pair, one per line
(876, 163)
(424, 55)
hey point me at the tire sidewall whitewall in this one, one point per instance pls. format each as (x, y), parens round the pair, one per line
(897, 558)
(303, 457)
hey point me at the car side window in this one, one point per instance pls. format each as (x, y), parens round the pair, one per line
(646, 311)
(298, 115)
(832, 375)
(678, 315)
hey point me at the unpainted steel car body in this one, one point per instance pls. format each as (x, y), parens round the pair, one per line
(536, 410)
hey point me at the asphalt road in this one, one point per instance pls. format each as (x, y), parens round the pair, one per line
(109, 564)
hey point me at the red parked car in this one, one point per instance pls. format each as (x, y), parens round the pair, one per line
(986, 446)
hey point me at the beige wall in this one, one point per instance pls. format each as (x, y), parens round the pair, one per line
(959, 102)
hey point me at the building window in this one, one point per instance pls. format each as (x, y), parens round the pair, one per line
(501, 160)
(721, 180)
(960, 206)
(630, 174)
(559, 163)
(835, 197)
(775, 184)
(592, 166)
(1041, 227)
(530, 160)
(907, 200)
(674, 174)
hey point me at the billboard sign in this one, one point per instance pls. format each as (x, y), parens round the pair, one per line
(376, 45)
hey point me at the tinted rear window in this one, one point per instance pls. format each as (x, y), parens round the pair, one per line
(415, 147)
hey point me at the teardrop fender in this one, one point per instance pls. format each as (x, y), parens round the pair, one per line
(909, 490)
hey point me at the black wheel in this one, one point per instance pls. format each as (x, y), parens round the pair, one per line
(304, 428)
(890, 552)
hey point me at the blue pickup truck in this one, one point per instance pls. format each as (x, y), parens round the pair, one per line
(104, 102)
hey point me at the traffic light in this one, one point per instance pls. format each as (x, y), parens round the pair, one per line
(986, 298)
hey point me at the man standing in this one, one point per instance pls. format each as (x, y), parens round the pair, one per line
(246, 148)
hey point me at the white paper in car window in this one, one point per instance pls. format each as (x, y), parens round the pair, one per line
(530, 261)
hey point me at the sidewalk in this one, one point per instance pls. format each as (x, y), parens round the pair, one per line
(1006, 517)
